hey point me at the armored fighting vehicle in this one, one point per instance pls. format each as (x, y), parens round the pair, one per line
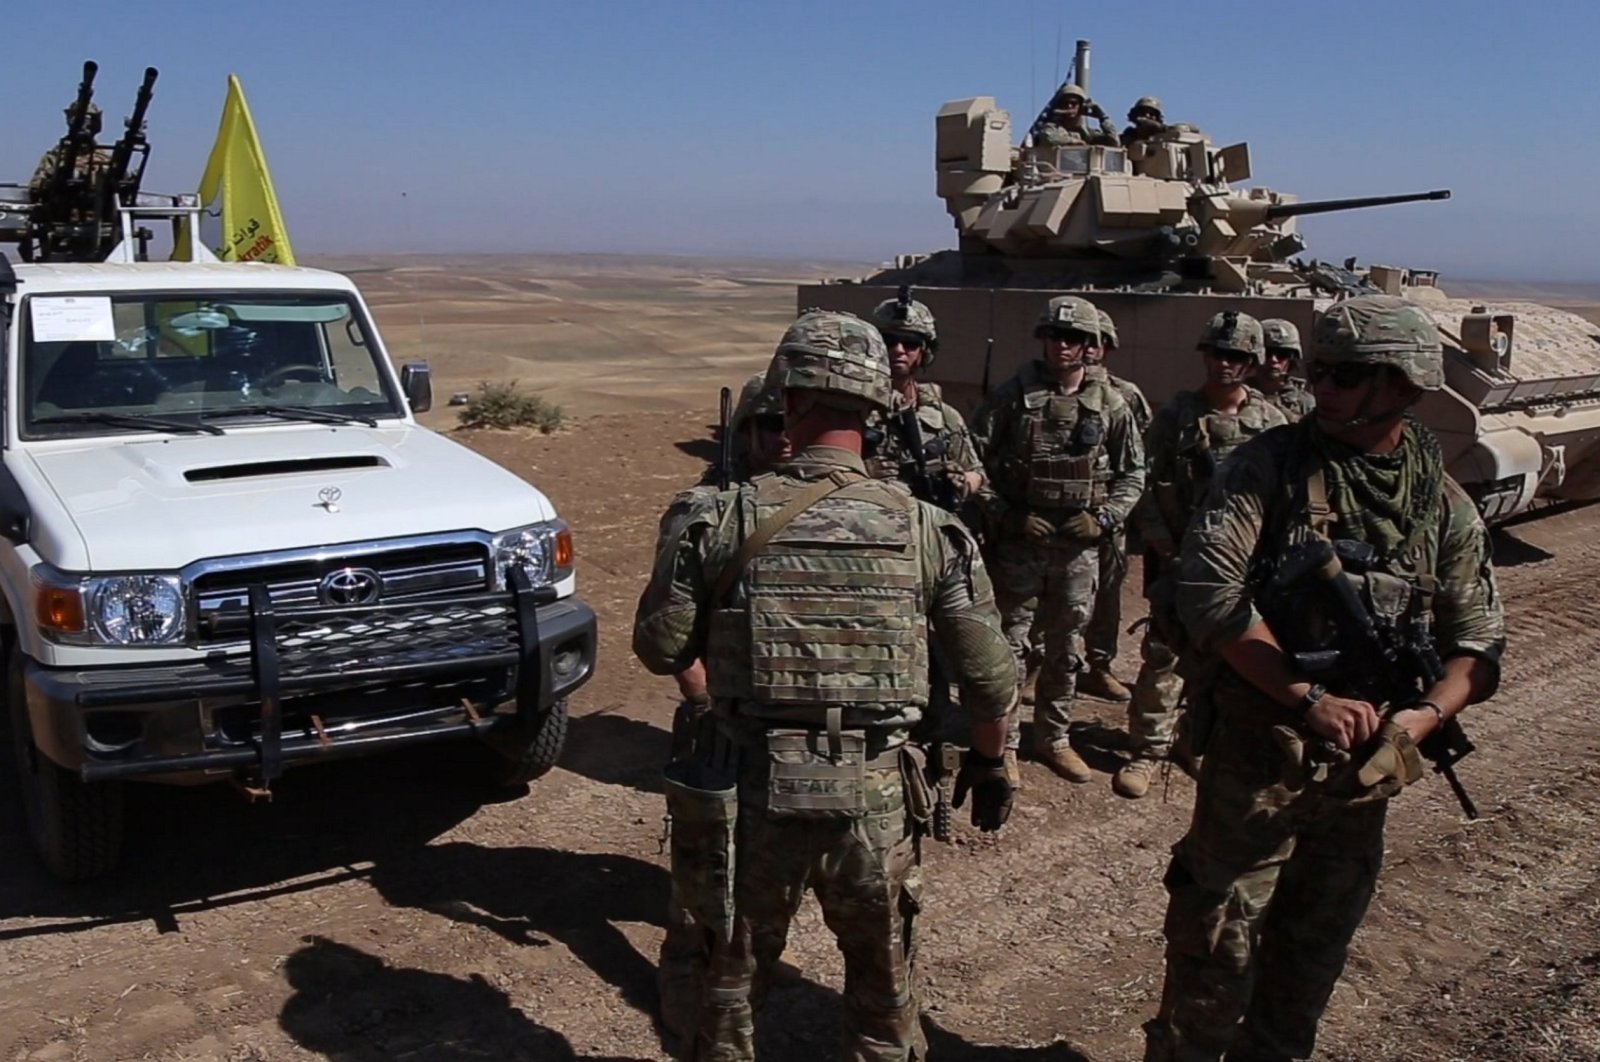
(1161, 233)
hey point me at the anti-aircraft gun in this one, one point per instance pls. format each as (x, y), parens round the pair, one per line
(69, 211)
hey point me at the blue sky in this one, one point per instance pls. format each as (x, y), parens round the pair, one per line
(806, 129)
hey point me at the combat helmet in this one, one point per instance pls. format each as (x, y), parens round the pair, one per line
(1068, 311)
(1282, 335)
(1144, 103)
(1232, 330)
(1381, 330)
(905, 316)
(756, 399)
(835, 354)
(1073, 91)
(1108, 330)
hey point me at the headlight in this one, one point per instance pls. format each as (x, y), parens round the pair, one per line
(543, 551)
(111, 609)
(136, 609)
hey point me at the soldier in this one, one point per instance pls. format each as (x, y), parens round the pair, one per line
(1106, 621)
(912, 338)
(1065, 466)
(1273, 379)
(758, 445)
(1066, 121)
(1144, 121)
(85, 164)
(1282, 856)
(817, 564)
(1190, 437)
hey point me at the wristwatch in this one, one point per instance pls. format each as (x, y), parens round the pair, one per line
(1104, 520)
(1312, 696)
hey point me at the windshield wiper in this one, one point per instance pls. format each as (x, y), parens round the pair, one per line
(131, 420)
(316, 416)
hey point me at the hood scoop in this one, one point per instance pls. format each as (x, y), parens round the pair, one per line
(289, 467)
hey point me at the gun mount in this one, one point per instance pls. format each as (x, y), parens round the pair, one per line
(70, 210)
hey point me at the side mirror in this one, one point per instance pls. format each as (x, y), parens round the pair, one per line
(417, 382)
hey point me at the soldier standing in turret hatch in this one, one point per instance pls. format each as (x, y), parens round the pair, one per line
(1066, 121)
(1187, 441)
(1144, 121)
(1106, 622)
(1066, 467)
(1273, 379)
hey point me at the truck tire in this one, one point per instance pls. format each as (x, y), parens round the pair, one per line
(75, 826)
(525, 755)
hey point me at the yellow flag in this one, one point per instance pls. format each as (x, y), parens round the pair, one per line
(237, 191)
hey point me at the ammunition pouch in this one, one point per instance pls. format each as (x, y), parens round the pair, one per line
(703, 804)
(816, 776)
(920, 797)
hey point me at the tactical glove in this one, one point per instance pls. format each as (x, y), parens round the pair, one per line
(1030, 526)
(992, 791)
(1096, 111)
(1082, 527)
(1393, 764)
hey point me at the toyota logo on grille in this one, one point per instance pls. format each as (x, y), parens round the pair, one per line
(350, 586)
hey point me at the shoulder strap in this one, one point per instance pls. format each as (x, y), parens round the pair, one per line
(1322, 515)
(764, 531)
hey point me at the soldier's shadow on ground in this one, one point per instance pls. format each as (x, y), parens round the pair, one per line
(353, 1006)
(702, 448)
(536, 896)
(616, 750)
(190, 849)
(1510, 551)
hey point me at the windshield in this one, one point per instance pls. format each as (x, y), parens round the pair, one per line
(89, 360)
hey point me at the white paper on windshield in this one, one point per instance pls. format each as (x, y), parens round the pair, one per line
(72, 319)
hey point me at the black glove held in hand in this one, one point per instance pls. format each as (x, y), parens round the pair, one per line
(992, 794)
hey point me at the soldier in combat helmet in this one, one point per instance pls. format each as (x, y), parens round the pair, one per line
(1065, 466)
(1106, 622)
(758, 444)
(1283, 357)
(1282, 856)
(1066, 121)
(755, 582)
(912, 338)
(1191, 436)
(1144, 121)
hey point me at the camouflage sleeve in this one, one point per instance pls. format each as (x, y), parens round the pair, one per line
(1213, 576)
(678, 510)
(1161, 476)
(963, 617)
(1126, 452)
(1468, 615)
(962, 455)
(667, 633)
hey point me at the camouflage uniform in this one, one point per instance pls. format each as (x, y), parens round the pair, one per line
(1051, 454)
(1057, 129)
(944, 436)
(1142, 125)
(1279, 864)
(1105, 623)
(681, 963)
(1185, 444)
(1292, 399)
(893, 565)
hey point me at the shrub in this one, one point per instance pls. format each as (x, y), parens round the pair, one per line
(502, 404)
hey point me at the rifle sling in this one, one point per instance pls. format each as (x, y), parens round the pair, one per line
(764, 532)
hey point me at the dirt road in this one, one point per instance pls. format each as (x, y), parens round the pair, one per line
(386, 910)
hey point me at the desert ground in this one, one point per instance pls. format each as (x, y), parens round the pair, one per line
(401, 909)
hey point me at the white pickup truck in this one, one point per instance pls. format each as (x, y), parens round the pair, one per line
(226, 547)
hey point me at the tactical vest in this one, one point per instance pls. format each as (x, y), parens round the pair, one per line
(830, 611)
(1065, 439)
(890, 453)
(1205, 439)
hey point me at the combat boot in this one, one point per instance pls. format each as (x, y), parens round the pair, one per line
(1132, 779)
(1030, 684)
(1064, 761)
(1100, 682)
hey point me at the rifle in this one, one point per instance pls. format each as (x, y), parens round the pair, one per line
(725, 438)
(926, 485)
(988, 360)
(1371, 657)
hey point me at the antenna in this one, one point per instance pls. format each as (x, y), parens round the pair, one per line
(1033, 66)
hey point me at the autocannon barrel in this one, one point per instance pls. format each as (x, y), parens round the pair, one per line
(1328, 206)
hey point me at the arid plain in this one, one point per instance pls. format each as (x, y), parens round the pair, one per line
(398, 909)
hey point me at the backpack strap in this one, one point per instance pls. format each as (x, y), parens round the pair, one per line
(764, 532)
(1321, 513)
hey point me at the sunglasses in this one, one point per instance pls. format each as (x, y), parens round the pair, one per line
(1232, 357)
(1345, 375)
(769, 422)
(1068, 335)
(911, 343)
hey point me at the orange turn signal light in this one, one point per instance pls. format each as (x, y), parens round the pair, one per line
(564, 548)
(60, 608)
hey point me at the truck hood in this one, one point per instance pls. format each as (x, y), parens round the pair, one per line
(160, 503)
